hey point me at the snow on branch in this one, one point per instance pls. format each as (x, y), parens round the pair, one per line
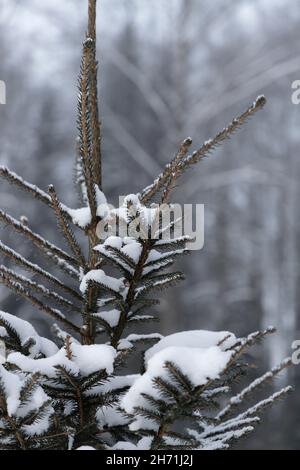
(32, 189)
(73, 396)
(244, 394)
(38, 241)
(23, 292)
(26, 411)
(24, 263)
(66, 230)
(18, 181)
(85, 360)
(23, 336)
(266, 403)
(39, 288)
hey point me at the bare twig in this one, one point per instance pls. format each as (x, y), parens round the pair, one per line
(169, 169)
(180, 164)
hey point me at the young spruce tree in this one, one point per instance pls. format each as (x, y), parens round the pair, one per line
(77, 391)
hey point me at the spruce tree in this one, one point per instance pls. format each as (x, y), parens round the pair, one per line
(78, 390)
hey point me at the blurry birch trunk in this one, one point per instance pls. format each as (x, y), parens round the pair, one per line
(270, 271)
(289, 259)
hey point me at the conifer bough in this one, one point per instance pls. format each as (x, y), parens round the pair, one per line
(74, 393)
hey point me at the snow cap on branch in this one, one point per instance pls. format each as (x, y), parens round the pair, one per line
(85, 360)
(193, 339)
(198, 364)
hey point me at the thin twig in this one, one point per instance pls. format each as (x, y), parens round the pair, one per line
(95, 123)
(178, 165)
(238, 399)
(39, 241)
(169, 169)
(84, 127)
(54, 313)
(30, 188)
(68, 233)
(21, 261)
(39, 288)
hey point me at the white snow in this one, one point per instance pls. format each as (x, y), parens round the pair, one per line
(143, 444)
(92, 358)
(97, 275)
(135, 337)
(128, 343)
(155, 255)
(117, 382)
(130, 207)
(25, 331)
(111, 317)
(102, 302)
(86, 360)
(193, 339)
(146, 215)
(128, 240)
(128, 245)
(113, 384)
(156, 283)
(85, 448)
(47, 347)
(183, 238)
(115, 242)
(124, 344)
(2, 352)
(120, 381)
(199, 364)
(131, 199)
(133, 250)
(150, 215)
(40, 425)
(12, 385)
(3, 332)
(102, 206)
(160, 259)
(111, 417)
(124, 445)
(81, 217)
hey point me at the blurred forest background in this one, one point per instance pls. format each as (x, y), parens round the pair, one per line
(171, 69)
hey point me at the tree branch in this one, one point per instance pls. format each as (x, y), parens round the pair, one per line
(67, 232)
(38, 241)
(95, 123)
(39, 288)
(55, 314)
(181, 162)
(21, 261)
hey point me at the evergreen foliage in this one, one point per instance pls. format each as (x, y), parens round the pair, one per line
(75, 391)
